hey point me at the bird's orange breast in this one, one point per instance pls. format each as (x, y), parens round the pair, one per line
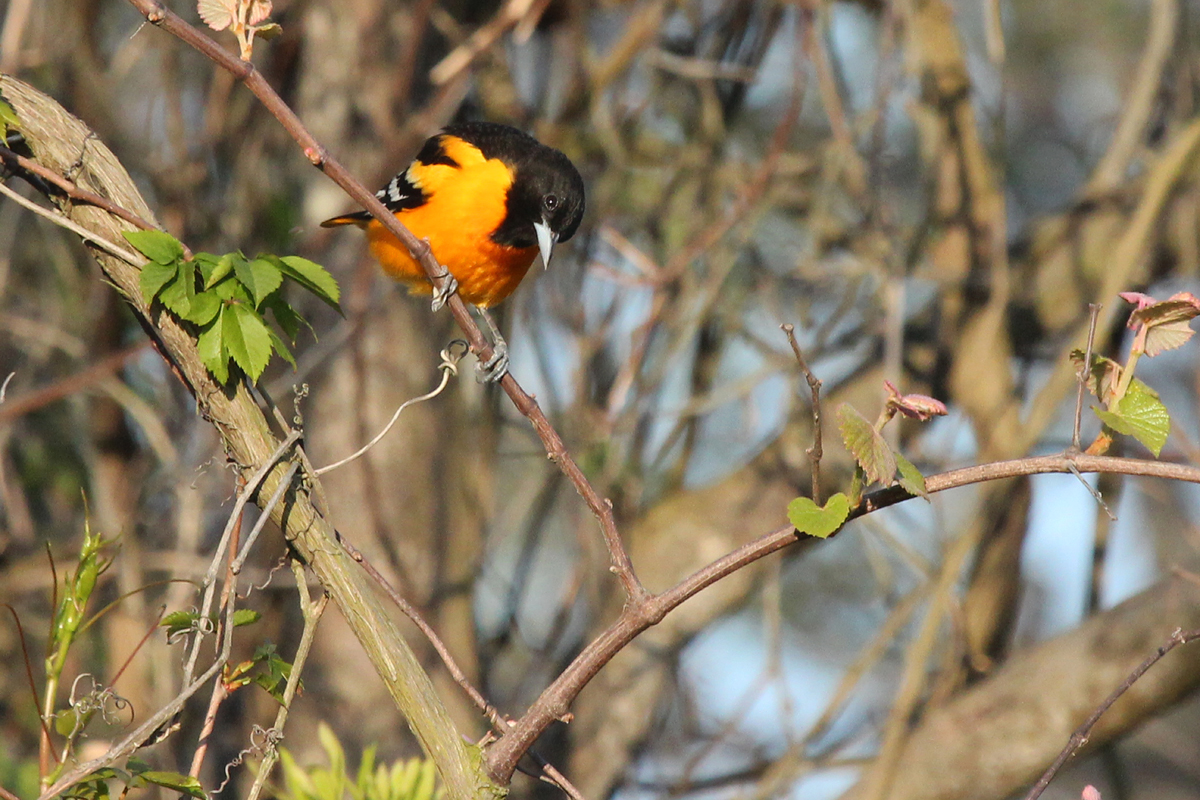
(465, 205)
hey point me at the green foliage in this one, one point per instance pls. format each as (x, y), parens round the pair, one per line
(8, 119)
(72, 605)
(809, 518)
(136, 775)
(227, 297)
(875, 461)
(1140, 414)
(1130, 406)
(265, 668)
(403, 780)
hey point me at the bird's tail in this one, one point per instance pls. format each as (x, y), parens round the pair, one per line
(359, 218)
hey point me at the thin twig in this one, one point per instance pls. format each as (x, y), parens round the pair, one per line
(4, 386)
(1094, 492)
(555, 778)
(1084, 374)
(1080, 737)
(72, 190)
(410, 611)
(556, 450)
(83, 233)
(814, 385)
(311, 611)
(210, 577)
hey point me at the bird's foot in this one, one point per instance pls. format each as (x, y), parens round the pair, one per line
(496, 367)
(441, 294)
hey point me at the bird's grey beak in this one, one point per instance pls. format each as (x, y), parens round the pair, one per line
(546, 239)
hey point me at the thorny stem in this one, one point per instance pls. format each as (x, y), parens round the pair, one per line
(814, 385)
(158, 14)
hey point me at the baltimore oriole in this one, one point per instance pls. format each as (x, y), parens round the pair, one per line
(488, 198)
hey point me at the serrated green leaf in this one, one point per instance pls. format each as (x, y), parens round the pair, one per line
(261, 277)
(205, 263)
(174, 780)
(313, 277)
(153, 278)
(868, 447)
(1142, 415)
(178, 622)
(203, 308)
(809, 518)
(177, 295)
(233, 292)
(221, 268)
(910, 478)
(211, 348)
(285, 315)
(158, 246)
(247, 339)
(245, 616)
(281, 347)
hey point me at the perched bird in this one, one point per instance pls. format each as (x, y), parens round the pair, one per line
(488, 198)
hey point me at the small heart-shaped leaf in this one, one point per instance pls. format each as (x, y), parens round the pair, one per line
(811, 519)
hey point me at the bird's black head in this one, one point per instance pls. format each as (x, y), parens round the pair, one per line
(546, 200)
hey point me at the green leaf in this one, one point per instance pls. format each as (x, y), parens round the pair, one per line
(65, 721)
(816, 521)
(867, 446)
(260, 277)
(215, 269)
(281, 347)
(910, 477)
(1140, 414)
(173, 780)
(285, 315)
(177, 296)
(313, 277)
(206, 263)
(212, 350)
(8, 118)
(158, 246)
(233, 291)
(203, 308)
(247, 339)
(153, 278)
(178, 622)
(245, 616)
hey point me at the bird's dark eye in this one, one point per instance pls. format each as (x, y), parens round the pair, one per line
(550, 202)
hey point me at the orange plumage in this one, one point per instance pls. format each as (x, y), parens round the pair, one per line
(487, 197)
